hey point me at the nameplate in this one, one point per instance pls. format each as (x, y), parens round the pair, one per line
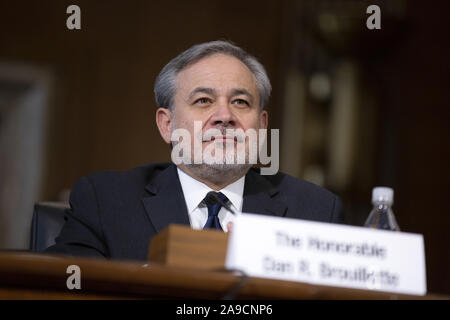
(327, 254)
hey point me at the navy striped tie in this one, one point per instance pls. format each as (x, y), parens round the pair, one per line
(214, 206)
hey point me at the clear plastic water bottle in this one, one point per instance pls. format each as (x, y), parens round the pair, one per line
(382, 216)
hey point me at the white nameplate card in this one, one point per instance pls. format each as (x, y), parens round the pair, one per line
(327, 254)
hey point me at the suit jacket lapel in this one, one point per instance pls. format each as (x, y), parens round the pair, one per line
(165, 202)
(259, 196)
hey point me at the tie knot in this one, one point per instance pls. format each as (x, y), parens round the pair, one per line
(215, 198)
(222, 197)
(214, 201)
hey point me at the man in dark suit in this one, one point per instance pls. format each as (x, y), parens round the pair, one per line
(220, 86)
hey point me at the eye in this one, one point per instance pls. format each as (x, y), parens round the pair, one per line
(203, 100)
(241, 102)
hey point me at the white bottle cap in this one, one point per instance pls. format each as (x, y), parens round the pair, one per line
(383, 194)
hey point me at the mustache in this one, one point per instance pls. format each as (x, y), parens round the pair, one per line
(211, 134)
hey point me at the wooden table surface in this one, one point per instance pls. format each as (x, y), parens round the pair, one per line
(35, 276)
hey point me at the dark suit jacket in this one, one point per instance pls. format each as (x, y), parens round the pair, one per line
(115, 214)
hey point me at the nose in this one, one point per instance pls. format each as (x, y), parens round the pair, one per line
(223, 116)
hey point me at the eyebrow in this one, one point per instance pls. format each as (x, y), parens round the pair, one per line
(211, 91)
(237, 92)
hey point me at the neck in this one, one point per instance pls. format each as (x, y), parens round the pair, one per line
(213, 178)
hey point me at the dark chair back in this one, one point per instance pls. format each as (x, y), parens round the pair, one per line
(47, 222)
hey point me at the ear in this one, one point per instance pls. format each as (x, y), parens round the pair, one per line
(264, 119)
(163, 121)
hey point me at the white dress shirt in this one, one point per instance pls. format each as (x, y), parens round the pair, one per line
(195, 191)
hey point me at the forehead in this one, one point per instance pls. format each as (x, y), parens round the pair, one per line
(220, 72)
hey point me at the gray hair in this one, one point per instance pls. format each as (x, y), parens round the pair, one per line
(165, 84)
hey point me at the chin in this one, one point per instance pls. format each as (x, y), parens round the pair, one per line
(219, 172)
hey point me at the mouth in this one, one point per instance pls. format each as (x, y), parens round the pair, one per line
(223, 139)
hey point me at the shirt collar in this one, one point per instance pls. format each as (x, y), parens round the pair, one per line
(195, 191)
